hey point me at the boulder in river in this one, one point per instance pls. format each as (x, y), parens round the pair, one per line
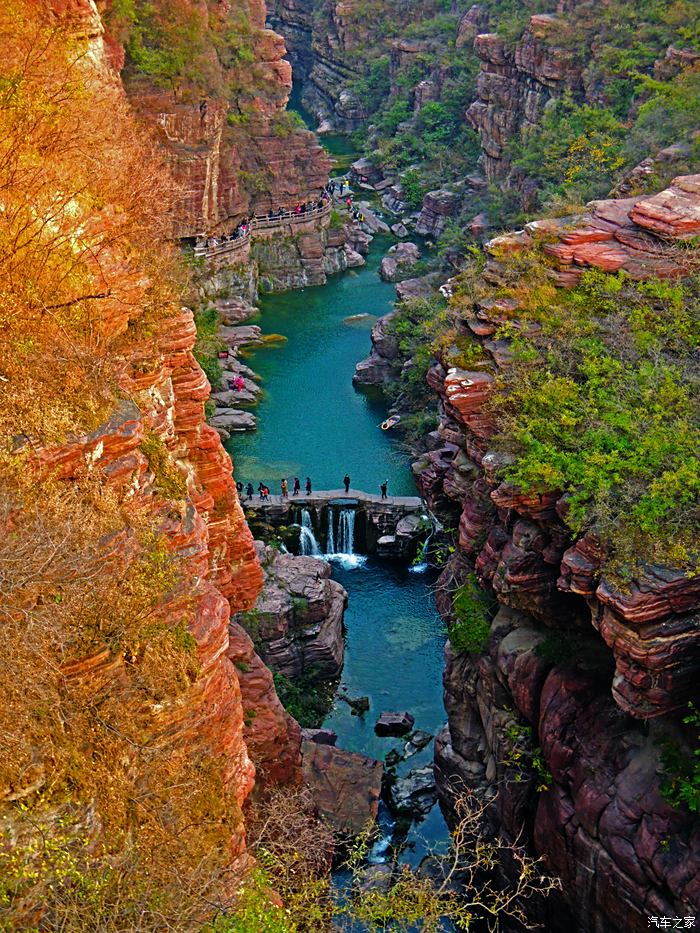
(423, 287)
(394, 724)
(232, 419)
(228, 398)
(438, 207)
(358, 705)
(235, 310)
(415, 793)
(345, 786)
(371, 222)
(399, 261)
(298, 618)
(320, 736)
(379, 367)
(416, 741)
(241, 336)
(354, 259)
(373, 878)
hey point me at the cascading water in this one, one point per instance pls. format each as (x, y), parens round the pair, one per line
(308, 545)
(346, 531)
(340, 538)
(330, 537)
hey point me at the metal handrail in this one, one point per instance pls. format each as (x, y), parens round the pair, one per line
(230, 246)
(261, 222)
(264, 222)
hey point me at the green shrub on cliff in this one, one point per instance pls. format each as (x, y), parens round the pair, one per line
(576, 151)
(472, 608)
(306, 698)
(681, 783)
(169, 479)
(601, 404)
(208, 345)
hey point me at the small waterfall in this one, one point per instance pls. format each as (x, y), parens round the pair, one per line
(308, 544)
(340, 539)
(346, 531)
(330, 538)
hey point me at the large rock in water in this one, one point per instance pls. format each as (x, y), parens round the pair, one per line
(415, 793)
(380, 366)
(346, 786)
(297, 622)
(394, 724)
(399, 261)
(233, 419)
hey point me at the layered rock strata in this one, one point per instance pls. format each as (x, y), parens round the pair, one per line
(297, 621)
(234, 156)
(579, 675)
(514, 85)
(156, 453)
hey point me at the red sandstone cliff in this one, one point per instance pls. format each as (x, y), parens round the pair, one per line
(152, 462)
(230, 146)
(601, 711)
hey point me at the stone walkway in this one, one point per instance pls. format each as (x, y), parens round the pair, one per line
(322, 496)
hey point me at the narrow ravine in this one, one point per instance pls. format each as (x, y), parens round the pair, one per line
(312, 422)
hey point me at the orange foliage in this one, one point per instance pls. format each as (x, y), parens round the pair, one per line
(81, 227)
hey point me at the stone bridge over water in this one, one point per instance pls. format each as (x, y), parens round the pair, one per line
(340, 522)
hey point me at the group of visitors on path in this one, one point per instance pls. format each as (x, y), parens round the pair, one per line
(337, 188)
(244, 227)
(264, 491)
(241, 231)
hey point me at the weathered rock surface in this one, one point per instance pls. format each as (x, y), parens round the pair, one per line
(574, 665)
(297, 622)
(233, 419)
(423, 287)
(399, 261)
(302, 254)
(320, 736)
(381, 365)
(345, 786)
(603, 813)
(514, 85)
(272, 737)
(438, 207)
(416, 793)
(394, 724)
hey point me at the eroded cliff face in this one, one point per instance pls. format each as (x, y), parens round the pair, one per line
(563, 718)
(334, 44)
(514, 85)
(144, 674)
(230, 146)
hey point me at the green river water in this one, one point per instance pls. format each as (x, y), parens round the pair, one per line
(311, 421)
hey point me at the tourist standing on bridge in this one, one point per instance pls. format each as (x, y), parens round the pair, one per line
(308, 486)
(346, 483)
(383, 488)
(265, 494)
(261, 489)
(285, 489)
(297, 486)
(249, 490)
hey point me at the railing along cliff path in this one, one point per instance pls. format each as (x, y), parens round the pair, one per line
(261, 222)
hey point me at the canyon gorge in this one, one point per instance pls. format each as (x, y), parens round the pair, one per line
(450, 252)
